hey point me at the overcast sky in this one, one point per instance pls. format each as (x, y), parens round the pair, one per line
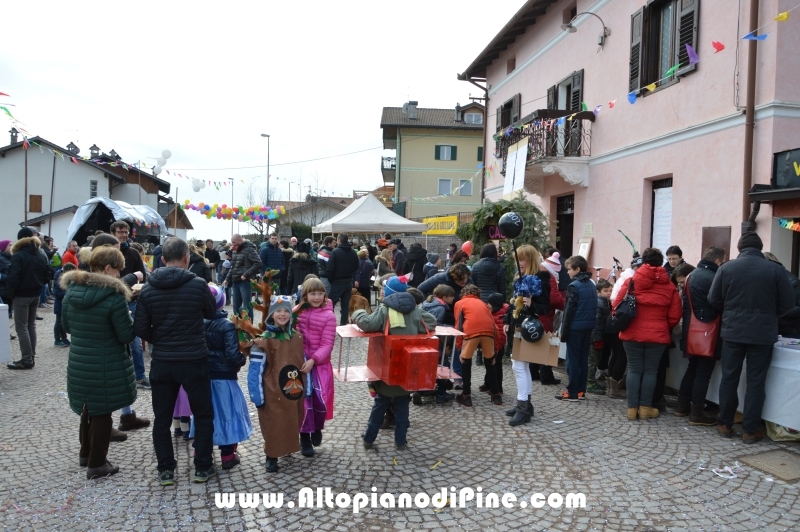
(204, 82)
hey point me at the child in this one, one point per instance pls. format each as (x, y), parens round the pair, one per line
(404, 317)
(474, 319)
(58, 292)
(440, 305)
(182, 415)
(602, 337)
(499, 309)
(276, 383)
(576, 329)
(231, 419)
(317, 323)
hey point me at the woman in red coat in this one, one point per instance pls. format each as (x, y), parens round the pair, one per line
(658, 310)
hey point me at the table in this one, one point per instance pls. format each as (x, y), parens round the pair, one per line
(782, 402)
(363, 374)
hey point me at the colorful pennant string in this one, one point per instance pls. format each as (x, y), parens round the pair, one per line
(789, 224)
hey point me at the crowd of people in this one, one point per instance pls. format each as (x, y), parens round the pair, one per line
(110, 307)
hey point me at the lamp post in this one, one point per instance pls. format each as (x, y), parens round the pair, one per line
(569, 28)
(231, 180)
(265, 135)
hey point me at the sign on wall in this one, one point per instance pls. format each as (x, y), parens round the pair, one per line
(662, 219)
(442, 225)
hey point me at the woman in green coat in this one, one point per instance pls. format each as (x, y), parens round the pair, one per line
(100, 377)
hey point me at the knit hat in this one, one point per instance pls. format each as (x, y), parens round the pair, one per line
(219, 295)
(4, 244)
(279, 302)
(636, 262)
(304, 247)
(496, 301)
(394, 285)
(395, 241)
(433, 257)
(750, 239)
(25, 232)
(226, 264)
(554, 261)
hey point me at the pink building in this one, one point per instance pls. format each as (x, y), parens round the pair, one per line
(668, 169)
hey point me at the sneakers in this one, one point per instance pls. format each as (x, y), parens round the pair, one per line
(45, 305)
(565, 396)
(203, 476)
(445, 398)
(166, 478)
(581, 396)
(61, 343)
(19, 364)
(230, 461)
(464, 400)
(144, 384)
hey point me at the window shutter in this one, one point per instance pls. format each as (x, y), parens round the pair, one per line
(552, 97)
(480, 153)
(453, 150)
(686, 33)
(635, 70)
(516, 103)
(437, 153)
(577, 91)
(499, 118)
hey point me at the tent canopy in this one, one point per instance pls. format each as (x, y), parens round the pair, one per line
(368, 215)
(120, 210)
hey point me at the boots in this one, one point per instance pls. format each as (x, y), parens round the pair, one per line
(699, 417)
(632, 413)
(131, 422)
(104, 470)
(685, 406)
(613, 391)
(306, 449)
(513, 411)
(522, 413)
(647, 412)
(117, 435)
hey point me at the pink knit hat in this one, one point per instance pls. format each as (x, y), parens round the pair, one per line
(4, 244)
(554, 261)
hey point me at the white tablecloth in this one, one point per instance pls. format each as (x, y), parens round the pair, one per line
(782, 402)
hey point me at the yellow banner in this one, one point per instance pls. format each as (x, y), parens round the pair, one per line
(442, 225)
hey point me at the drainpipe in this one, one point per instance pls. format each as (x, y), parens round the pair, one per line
(748, 217)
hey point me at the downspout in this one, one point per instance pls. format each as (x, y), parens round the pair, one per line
(397, 170)
(485, 140)
(748, 217)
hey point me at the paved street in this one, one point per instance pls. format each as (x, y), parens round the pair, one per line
(635, 475)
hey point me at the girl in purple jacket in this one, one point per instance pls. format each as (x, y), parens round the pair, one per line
(317, 324)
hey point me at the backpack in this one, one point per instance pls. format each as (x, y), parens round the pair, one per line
(625, 312)
(55, 261)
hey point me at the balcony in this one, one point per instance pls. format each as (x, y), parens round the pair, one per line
(388, 167)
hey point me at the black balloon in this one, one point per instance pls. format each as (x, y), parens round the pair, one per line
(510, 225)
(532, 330)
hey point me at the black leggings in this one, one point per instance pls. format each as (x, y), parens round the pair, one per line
(618, 361)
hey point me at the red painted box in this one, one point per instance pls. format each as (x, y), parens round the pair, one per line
(406, 361)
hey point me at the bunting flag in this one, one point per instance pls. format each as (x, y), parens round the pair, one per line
(584, 107)
(693, 57)
(752, 37)
(789, 224)
(651, 87)
(4, 94)
(718, 46)
(632, 97)
(782, 17)
(597, 110)
(612, 103)
(674, 69)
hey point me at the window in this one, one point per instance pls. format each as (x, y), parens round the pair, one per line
(567, 95)
(445, 153)
(473, 118)
(511, 65)
(466, 187)
(92, 189)
(34, 203)
(661, 214)
(480, 153)
(660, 32)
(445, 186)
(508, 113)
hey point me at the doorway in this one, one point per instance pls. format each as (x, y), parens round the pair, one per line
(565, 216)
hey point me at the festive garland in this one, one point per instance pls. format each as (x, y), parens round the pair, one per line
(789, 224)
(223, 212)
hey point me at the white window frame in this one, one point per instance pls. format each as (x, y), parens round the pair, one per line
(449, 185)
(93, 188)
(473, 118)
(445, 152)
(467, 190)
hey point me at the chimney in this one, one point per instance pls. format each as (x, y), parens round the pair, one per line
(458, 117)
(13, 132)
(412, 110)
(115, 155)
(94, 151)
(73, 148)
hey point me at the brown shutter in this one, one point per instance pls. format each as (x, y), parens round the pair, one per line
(577, 91)
(552, 97)
(516, 103)
(635, 70)
(499, 118)
(686, 25)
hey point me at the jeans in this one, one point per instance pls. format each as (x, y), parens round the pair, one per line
(58, 330)
(643, 361)
(695, 381)
(242, 294)
(661, 377)
(326, 284)
(379, 408)
(25, 325)
(136, 350)
(166, 378)
(44, 294)
(522, 374)
(340, 291)
(578, 344)
(758, 358)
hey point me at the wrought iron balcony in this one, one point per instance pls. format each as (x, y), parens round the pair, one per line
(388, 166)
(546, 139)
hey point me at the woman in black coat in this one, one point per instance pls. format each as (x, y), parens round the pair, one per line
(363, 275)
(488, 273)
(300, 266)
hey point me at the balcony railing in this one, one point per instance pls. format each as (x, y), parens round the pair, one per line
(546, 140)
(388, 163)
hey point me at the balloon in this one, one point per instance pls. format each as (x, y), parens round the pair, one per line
(187, 202)
(224, 206)
(201, 204)
(196, 188)
(156, 170)
(166, 154)
(161, 161)
(532, 330)
(467, 247)
(216, 206)
(510, 224)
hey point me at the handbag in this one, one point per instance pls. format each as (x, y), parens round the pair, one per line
(701, 339)
(625, 311)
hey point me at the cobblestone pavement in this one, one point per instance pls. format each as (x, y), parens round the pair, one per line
(636, 475)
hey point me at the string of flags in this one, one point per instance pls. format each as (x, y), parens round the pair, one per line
(243, 214)
(789, 224)
(438, 196)
(632, 96)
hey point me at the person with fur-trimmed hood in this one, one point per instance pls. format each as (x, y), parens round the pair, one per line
(301, 266)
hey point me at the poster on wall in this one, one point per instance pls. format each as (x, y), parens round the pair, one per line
(662, 219)
(511, 162)
(522, 160)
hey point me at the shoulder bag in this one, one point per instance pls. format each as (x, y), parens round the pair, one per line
(701, 340)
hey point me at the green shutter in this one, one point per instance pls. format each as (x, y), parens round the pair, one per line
(480, 153)
(436, 153)
(452, 153)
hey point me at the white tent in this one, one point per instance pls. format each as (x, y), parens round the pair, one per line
(121, 210)
(368, 215)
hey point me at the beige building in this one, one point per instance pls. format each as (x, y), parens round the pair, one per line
(439, 153)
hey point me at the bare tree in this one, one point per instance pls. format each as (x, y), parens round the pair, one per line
(255, 195)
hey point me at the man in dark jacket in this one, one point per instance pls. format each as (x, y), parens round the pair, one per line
(170, 315)
(245, 265)
(789, 323)
(212, 255)
(341, 267)
(28, 273)
(272, 255)
(489, 274)
(457, 277)
(323, 255)
(694, 385)
(580, 311)
(415, 263)
(398, 256)
(752, 293)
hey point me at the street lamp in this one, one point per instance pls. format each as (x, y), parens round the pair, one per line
(569, 28)
(231, 180)
(265, 135)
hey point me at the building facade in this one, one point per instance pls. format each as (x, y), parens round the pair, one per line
(668, 168)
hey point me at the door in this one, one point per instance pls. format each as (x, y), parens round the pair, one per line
(565, 216)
